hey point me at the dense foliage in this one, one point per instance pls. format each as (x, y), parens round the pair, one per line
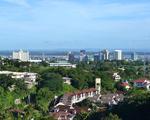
(35, 102)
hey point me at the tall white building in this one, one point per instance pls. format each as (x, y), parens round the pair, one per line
(21, 55)
(118, 55)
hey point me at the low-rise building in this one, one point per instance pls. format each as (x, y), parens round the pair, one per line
(62, 64)
(67, 80)
(29, 78)
(34, 61)
(111, 99)
(142, 83)
(62, 112)
(124, 85)
(75, 97)
(116, 77)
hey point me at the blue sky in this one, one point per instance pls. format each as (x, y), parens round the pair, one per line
(74, 24)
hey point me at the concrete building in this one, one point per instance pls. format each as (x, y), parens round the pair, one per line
(71, 57)
(111, 99)
(118, 55)
(67, 80)
(134, 56)
(83, 56)
(90, 58)
(67, 110)
(29, 78)
(21, 55)
(78, 96)
(116, 77)
(142, 83)
(35, 61)
(98, 85)
(105, 55)
(62, 112)
(63, 64)
(97, 57)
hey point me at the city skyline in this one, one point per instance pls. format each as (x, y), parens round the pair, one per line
(72, 24)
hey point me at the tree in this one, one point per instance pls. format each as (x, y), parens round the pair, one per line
(111, 117)
(136, 107)
(43, 99)
(31, 112)
(6, 81)
(52, 81)
(81, 116)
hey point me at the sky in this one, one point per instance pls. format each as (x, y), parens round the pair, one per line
(74, 24)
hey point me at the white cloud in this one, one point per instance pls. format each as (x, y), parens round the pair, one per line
(23, 3)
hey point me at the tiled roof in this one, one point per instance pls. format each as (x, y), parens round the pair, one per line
(81, 92)
(140, 80)
(123, 84)
(66, 99)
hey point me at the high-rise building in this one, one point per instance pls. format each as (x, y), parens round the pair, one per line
(83, 56)
(134, 56)
(71, 57)
(21, 55)
(105, 55)
(97, 57)
(90, 58)
(118, 55)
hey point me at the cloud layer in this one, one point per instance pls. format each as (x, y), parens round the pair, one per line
(75, 24)
(23, 3)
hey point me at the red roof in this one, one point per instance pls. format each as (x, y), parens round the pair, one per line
(140, 80)
(123, 84)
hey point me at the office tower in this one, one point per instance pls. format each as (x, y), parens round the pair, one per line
(118, 55)
(97, 57)
(134, 56)
(83, 56)
(105, 55)
(21, 55)
(71, 57)
(90, 58)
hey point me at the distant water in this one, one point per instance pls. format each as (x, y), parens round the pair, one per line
(65, 52)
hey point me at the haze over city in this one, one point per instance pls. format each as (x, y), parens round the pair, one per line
(75, 24)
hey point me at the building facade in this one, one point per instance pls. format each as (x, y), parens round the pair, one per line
(71, 57)
(142, 83)
(105, 55)
(118, 55)
(134, 56)
(97, 57)
(63, 64)
(29, 78)
(98, 85)
(21, 55)
(83, 56)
